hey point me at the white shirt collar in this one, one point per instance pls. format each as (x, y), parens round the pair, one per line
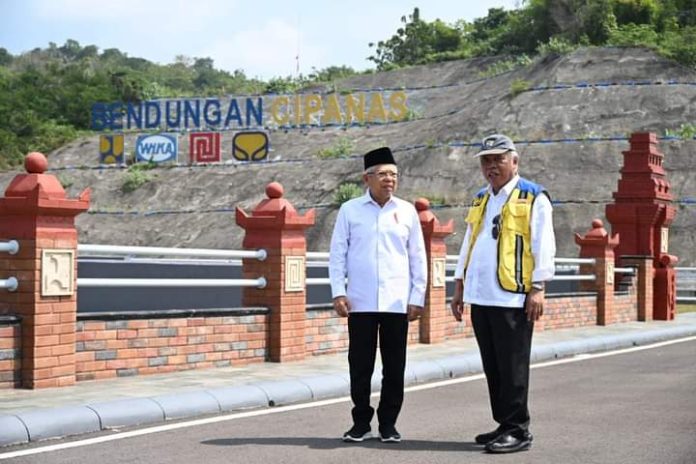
(367, 198)
(507, 188)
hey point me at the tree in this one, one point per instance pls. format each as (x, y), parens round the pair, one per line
(415, 41)
(5, 57)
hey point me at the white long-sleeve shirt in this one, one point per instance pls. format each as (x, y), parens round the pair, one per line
(380, 250)
(481, 284)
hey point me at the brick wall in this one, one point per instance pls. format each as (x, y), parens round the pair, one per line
(626, 299)
(568, 311)
(10, 352)
(325, 333)
(456, 329)
(119, 348)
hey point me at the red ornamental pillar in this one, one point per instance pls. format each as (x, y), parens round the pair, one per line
(36, 213)
(597, 244)
(435, 317)
(642, 213)
(276, 227)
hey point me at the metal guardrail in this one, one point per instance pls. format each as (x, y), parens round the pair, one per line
(9, 284)
(101, 282)
(12, 247)
(130, 251)
(686, 284)
(110, 250)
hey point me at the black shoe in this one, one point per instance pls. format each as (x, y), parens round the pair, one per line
(487, 437)
(388, 434)
(358, 433)
(509, 443)
(484, 438)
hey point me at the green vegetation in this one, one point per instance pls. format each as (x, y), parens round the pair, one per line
(544, 27)
(518, 86)
(500, 67)
(347, 191)
(686, 308)
(341, 149)
(137, 176)
(46, 94)
(685, 131)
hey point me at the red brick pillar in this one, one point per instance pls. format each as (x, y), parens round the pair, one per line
(435, 317)
(599, 245)
(36, 213)
(276, 227)
(645, 276)
(642, 212)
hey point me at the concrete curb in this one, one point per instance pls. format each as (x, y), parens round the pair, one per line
(41, 424)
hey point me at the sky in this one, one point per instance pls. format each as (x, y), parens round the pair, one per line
(263, 37)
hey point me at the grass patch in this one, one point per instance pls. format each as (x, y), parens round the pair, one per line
(346, 192)
(341, 149)
(686, 308)
(137, 176)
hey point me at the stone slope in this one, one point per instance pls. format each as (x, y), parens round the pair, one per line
(580, 174)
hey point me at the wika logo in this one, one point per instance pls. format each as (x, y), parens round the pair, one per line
(157, 148)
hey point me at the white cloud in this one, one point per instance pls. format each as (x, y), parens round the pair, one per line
(269, 51)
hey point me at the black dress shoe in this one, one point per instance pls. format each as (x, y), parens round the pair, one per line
(509, 443)
(484, 438)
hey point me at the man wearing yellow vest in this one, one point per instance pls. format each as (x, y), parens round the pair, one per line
(506, 257)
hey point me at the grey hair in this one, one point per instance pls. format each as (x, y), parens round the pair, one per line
(370, 170)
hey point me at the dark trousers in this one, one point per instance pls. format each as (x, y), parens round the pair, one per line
(363, 331)
(504, 338)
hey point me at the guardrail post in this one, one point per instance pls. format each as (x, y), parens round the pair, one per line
(597, 244)
(434, 321)
(36, 213)
(275, 226)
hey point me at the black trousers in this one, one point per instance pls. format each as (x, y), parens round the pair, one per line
(504, 338)
(363, 332)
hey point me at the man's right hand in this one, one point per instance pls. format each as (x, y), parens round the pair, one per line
(341, 306)
(457, 305)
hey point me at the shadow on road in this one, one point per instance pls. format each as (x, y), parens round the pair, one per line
(334, 443)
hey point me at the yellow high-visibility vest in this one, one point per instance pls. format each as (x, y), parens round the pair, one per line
(515, 260)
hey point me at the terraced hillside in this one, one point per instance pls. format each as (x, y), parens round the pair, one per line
(453, 106)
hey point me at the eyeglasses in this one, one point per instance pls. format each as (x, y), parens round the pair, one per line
(495, 231)
(381, 175)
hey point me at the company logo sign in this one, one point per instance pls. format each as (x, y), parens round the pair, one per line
(250, 146)
(158, 148)
(204, 147)
(111, 149)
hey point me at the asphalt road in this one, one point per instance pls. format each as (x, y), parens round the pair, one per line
(635, 407)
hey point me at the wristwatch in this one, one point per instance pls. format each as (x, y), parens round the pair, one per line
(538, 285)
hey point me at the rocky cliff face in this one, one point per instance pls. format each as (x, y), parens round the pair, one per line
(570, 135)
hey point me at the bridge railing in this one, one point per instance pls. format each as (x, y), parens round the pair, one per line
(686, 284)
(314, 259)
(12, 247)
(139, 251)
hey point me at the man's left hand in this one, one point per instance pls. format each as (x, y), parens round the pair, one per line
(534, 306)
(414, 312)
